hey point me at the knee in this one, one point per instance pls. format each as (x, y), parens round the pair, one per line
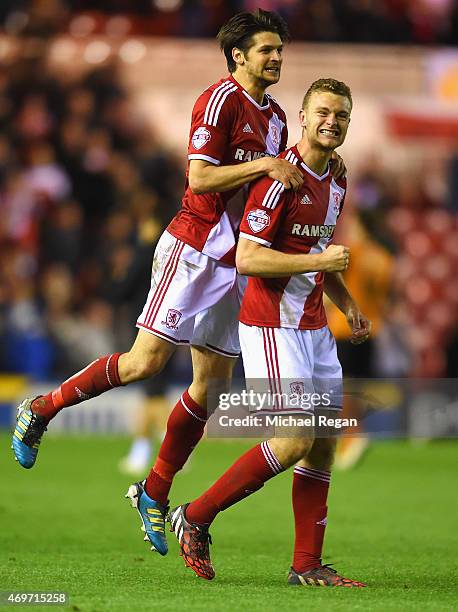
(321, 455)
(206, 382)
(299, 448)
(290, 450)
(151, 366)
(136, 366)
(206, 390)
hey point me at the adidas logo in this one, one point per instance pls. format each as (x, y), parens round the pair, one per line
(306, 200)
(81, 394)
(323, 521)
(247, 129)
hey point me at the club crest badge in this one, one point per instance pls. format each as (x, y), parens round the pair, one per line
(275, 134)
(337, 200)
(297, 388)
(172, 319)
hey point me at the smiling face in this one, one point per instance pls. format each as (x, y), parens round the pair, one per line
(261, 63)
(325, 119)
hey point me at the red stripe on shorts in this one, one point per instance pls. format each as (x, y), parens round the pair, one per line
(163, 286)
(276, 367)
(165, 272)
(266, 354)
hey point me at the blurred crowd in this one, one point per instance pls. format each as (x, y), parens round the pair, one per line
(402, 230)
(86, 189)
(349, 21)
(84, 193)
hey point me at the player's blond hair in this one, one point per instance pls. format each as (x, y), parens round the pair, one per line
(331, 85)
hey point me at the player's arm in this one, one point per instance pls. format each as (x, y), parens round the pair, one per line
(254, 259)
(337, 291)
(212, 126)
(205, 177)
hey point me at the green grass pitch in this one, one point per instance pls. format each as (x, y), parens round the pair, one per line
(66, 527)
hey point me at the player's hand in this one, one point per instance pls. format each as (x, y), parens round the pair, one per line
(286, 172)
(359, 324)
(338, 169)
(335, 258)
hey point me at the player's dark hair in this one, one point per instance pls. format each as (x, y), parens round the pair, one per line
(332, 85)
(239, 30)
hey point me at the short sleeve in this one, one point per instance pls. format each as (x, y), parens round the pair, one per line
(264, 210)
(212, 118)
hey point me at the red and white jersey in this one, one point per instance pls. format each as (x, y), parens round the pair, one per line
(228, 127)
(291, 222)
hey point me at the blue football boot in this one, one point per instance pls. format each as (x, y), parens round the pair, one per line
(152, 514)
(27, 434)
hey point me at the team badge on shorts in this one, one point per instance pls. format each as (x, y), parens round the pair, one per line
(172, 319)
(297, 388)
(257, 220)
(200, 137)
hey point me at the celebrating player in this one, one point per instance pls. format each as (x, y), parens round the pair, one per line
(236, 132)
(284, 248)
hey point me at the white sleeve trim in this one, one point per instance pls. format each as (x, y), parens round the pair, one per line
(212, 160)
(256, 239)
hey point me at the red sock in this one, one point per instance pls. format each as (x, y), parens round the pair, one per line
(244, 477)
(185, 427)
(310, 493)
(96, 378)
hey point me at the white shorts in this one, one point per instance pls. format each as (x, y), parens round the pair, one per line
(193, 299)
(292, 362)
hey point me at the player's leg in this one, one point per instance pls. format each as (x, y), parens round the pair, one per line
(248, 474)
(186, 423)
(150, 423)
(191, 522)
(178, 275)
(311, 480)
(146, 358)
(185, 427)
(310, 491)
(213, 326)
(312, 477)
(269, 458)
(214, 350)
(265, 460)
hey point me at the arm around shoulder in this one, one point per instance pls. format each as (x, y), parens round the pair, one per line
(205, 177)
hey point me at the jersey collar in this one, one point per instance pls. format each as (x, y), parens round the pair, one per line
(247, 95)
(309, 170)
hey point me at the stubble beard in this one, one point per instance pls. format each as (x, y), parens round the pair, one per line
(261, 82)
